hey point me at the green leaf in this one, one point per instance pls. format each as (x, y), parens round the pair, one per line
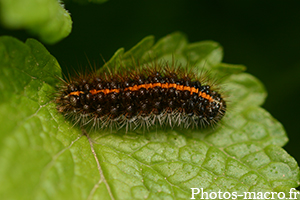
(43, 156)
(225, 69)
(47, 19)
(175, 45)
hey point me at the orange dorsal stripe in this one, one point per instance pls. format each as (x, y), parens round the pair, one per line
(77, 93)
(147, 86)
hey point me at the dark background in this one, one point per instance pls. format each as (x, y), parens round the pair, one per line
(263, 35)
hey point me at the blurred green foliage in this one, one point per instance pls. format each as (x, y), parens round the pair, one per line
(46, 19)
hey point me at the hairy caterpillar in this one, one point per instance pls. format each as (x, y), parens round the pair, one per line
(160, 94)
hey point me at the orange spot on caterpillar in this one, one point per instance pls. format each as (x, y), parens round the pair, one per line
(76, 93)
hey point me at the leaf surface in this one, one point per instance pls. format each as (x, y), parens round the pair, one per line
(44, 157)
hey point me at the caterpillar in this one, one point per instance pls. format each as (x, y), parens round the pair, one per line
(159, 94)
